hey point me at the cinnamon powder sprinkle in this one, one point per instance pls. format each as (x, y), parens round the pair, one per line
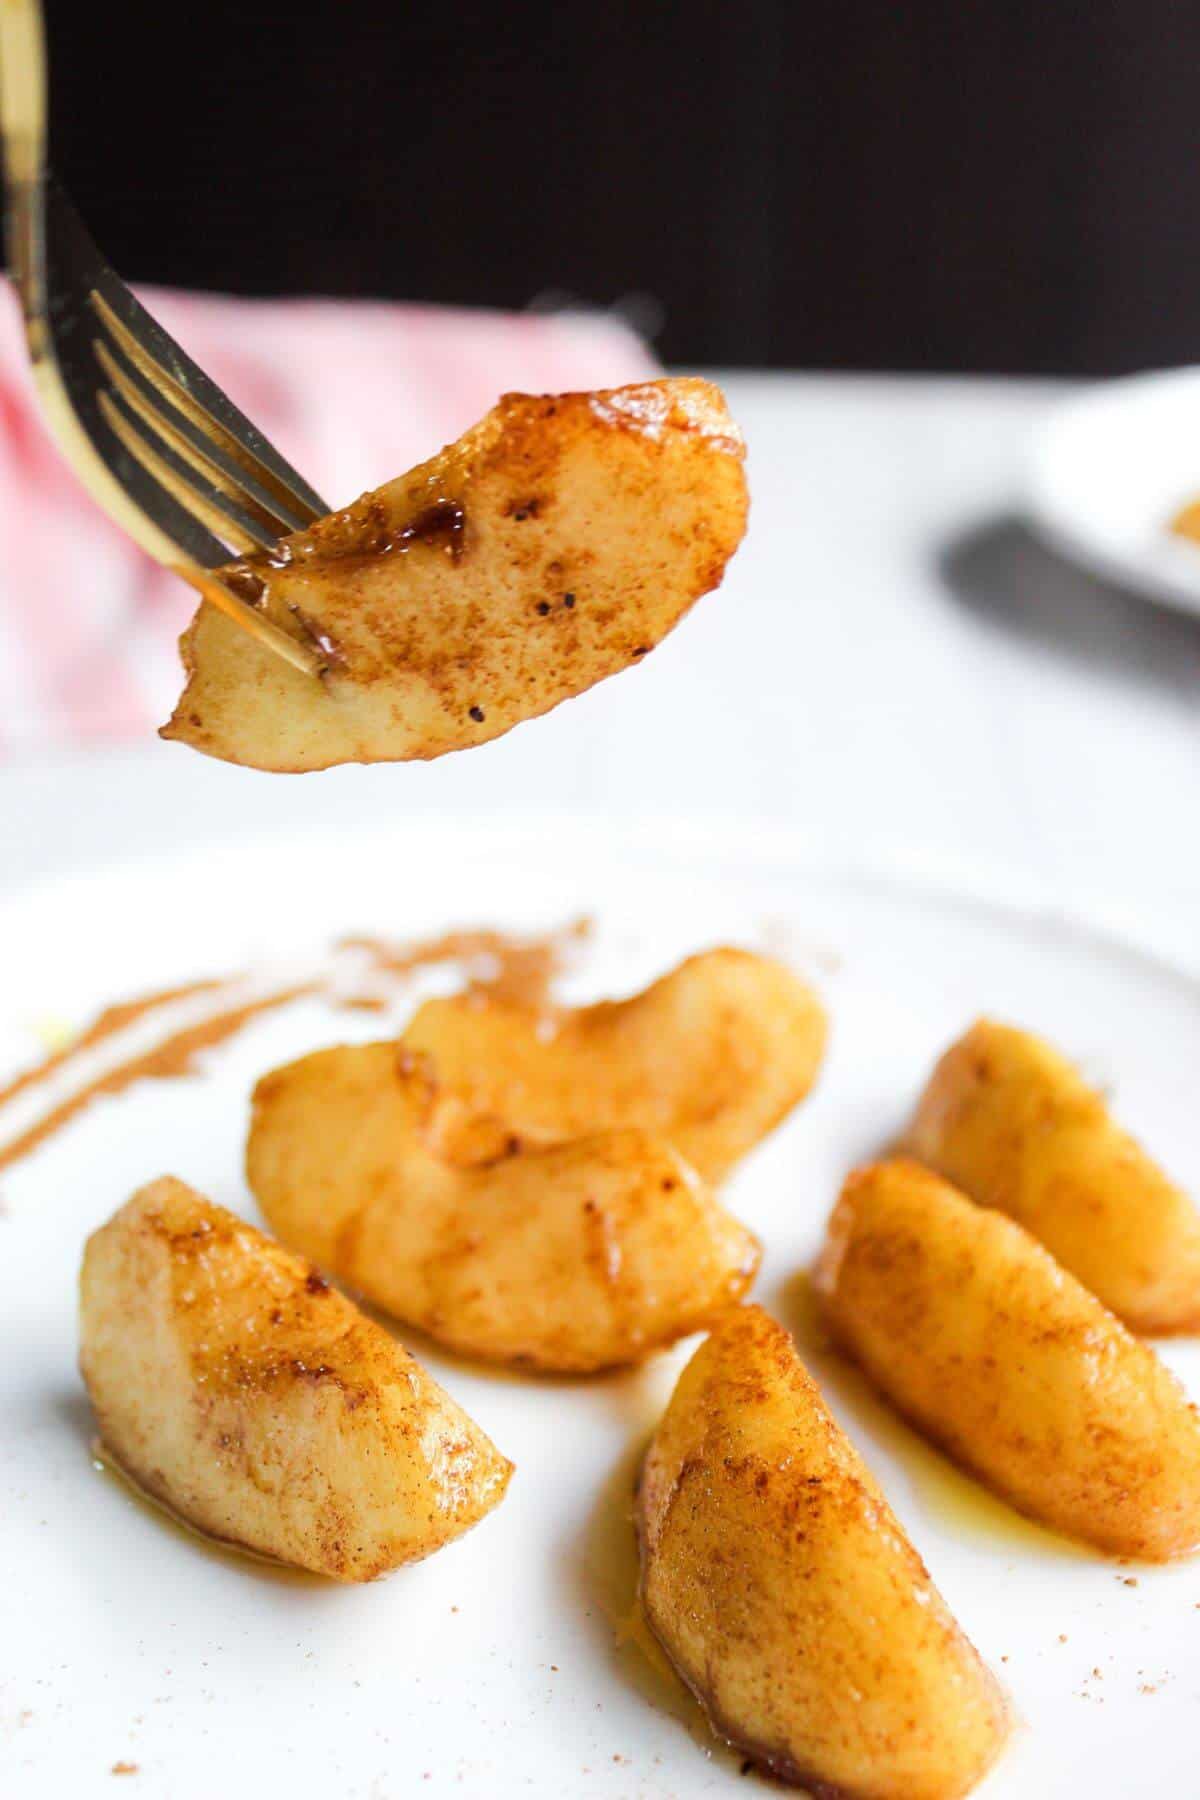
(516, 970)
(106, 1024)
(175, 1056)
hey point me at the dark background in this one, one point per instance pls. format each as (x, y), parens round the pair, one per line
(991, 186)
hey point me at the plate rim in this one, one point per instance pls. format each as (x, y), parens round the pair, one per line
(1117, 922)
(1139, 575)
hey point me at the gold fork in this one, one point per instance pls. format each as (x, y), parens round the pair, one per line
(153, 440)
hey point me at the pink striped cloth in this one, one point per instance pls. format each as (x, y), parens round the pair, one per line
(351, 393)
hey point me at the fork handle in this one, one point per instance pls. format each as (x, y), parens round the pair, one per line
(23, 138)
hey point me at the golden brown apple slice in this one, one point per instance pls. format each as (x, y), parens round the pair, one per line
(239, 1389)
(575, 1257)
(973, 1330)
(1012, 1123)
(710, 1057)
(555, 543)
(782, 1587)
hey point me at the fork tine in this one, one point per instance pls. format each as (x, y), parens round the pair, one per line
(206, 457)
(198, 396)
(59, 274)
(210, 508)
(197, 425)
(63, 328)
(241, 526)
(217, 516)
(210, 588)
(193, 391)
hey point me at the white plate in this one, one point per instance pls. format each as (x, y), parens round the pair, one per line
(494, 1668)
(1111, 469)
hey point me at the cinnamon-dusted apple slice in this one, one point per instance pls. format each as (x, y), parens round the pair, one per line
(783, 1589)
(975, 1333)
(1009, 1120)
(712, 1056)
(239, 1389)
(572, 1257)
(554, 544)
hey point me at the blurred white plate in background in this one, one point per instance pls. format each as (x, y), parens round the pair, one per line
(502, 1666)
(1110, 469)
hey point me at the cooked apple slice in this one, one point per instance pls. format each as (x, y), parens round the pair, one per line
(711, 1057)
(554, 544)
(239, 1389)
(1012, 1123)
(782, 1587)
(971, 1328)
(574, 1257)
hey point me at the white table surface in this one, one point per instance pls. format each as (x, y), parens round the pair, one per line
(893, 669)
